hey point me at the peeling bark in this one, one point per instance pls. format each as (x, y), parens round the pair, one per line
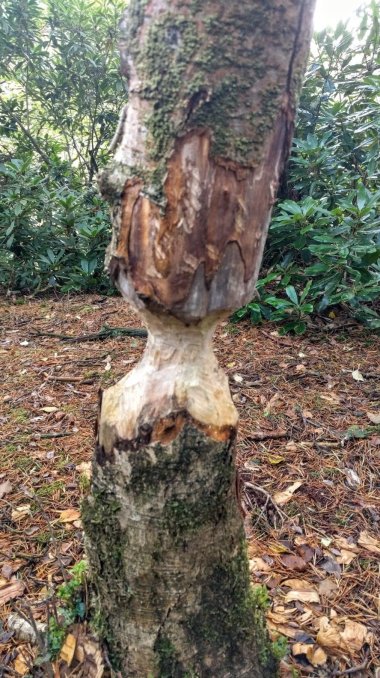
(212, 91)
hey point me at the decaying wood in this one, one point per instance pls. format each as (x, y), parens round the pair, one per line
(199, 151)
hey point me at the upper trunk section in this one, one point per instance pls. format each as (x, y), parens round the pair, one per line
(208, 125)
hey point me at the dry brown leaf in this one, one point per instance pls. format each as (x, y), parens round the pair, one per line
(346, 557)
(5, 488)
(276, 630)
(349, 639)
(292, 562)
(258, 565)
(343, 543)
(69, 515)
(10, 567)
(20, 512)
(299, 648)
(327, 588)
(11, 590)
(368, 542)
(89, 654)
(316, 655)
(283, 497)
(21, 666)
(298, 584)
(68, 649)
(302, 596)
(374, 417)
(271, 404)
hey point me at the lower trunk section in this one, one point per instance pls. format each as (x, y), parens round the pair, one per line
(167, 556)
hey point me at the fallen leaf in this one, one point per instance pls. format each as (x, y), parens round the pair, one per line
(299, 649)
(5, 488)
(258, 565)
(271, 404)
(49, 409)
(282, 498)
(346, 557)
(316, 655)
(349, 639)
(327, 588)
(357, 375)
(343, 543)
(68, 649)
(310, 596)
(374, 417)
(306, 552)
(10, 567)
(292, 562)
(330, 565)
(368, 542)
(69, 515)
(298, 584)
(20, 512)
(291, 446)
(89, 654)
(21, 666)
(275, 459)
(353, 479)
(11, 590)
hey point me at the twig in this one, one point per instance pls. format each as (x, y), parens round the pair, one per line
(105, 333)
(29, 617)
(25, 556)
(266, 435)
(352, 670)
(269, 498)
(55, 435)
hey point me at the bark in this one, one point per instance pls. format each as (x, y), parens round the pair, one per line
(201, 144)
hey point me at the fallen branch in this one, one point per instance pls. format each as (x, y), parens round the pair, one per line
(352, 670)
(104, 333)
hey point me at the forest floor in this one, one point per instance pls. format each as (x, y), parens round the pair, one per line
(308, 456)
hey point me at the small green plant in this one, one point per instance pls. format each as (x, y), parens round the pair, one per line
(280, 648)
(71, 595)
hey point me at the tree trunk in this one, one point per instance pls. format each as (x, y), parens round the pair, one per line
(199, 151)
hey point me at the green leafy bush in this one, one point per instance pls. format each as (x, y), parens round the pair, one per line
(52, 235)
(323, 249)
(60, 96)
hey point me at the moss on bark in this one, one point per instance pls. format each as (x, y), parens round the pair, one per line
(167, 555)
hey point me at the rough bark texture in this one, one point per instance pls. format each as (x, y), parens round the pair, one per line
(210, 115)
(192, 184)
(166, 535)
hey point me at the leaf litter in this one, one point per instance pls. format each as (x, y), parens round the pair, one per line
(308, 458)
